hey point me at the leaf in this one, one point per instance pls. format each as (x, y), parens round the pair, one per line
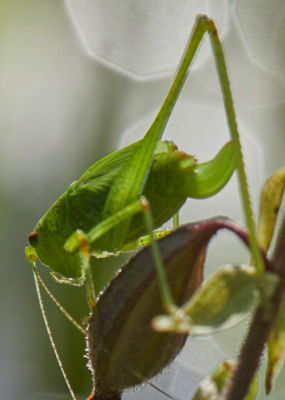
(224, 299)
(123, 349)
(31, 255)
(213, 386)
(276, 348)
(270, 203)
(222, 302)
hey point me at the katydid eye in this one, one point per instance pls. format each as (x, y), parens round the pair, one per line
(33, 239)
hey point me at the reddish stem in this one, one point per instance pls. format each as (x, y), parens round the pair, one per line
(259, 332)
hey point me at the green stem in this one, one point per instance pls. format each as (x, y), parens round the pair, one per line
(175, 221)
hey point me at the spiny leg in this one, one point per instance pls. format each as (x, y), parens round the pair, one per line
(117, 206)
(205, 24)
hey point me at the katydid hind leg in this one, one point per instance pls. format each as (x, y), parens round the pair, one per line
(132, 179)
(206, 25)
(209, 26)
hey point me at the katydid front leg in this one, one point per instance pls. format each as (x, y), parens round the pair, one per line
(81, 240)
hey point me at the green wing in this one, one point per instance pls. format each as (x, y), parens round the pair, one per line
(87, 196)
(102, 174)
(106, 168)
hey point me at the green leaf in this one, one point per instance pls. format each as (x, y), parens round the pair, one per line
(270, 203)
(276, 348)
(222, 302)
(224, 299)
(213, 386)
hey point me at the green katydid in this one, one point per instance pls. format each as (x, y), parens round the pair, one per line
(135, 190)
(106, 201)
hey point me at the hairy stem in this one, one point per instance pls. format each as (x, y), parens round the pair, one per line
(259, 332)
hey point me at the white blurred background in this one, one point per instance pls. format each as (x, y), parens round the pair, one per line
(79, 79)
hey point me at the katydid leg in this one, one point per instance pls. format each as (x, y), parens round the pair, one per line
(85, 257)
(138, 166)
(166, 296)
(83, 241)
(205, 24)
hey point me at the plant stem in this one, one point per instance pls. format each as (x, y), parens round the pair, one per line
(259, 332)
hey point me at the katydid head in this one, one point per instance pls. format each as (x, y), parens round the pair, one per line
(48, 239)
(51, 252)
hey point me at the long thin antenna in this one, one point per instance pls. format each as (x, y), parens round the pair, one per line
(50, 335)
(62, 309)
(160, 390)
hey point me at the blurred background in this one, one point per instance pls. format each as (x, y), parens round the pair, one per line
(81, 78)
